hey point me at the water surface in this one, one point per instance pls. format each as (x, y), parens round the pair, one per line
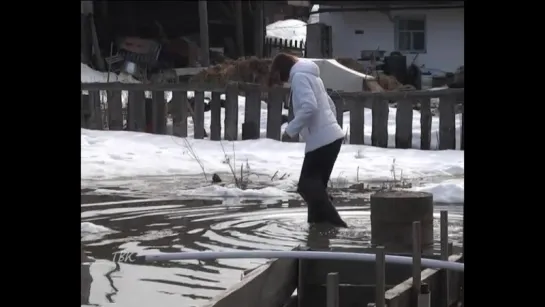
(198, 225)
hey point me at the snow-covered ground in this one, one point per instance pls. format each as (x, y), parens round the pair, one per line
(288, 29)
(131, 155)
(116, 154)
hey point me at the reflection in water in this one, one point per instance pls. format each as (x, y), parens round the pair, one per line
(196, 225)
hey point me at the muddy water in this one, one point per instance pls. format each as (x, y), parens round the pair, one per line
(197, 225)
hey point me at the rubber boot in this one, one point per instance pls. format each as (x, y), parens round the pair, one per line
(320, 208)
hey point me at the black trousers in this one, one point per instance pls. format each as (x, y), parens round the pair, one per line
(317, 167)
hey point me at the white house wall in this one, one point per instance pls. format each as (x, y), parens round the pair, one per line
(445, 35)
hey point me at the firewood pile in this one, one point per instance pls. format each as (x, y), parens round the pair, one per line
(255, 70)
(249, 70)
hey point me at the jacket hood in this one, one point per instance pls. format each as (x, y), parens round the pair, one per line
(305, 66)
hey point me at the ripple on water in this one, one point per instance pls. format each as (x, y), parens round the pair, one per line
(196, 225)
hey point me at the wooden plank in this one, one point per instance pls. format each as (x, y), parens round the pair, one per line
(349, 295)
(252, 115)
(215, 117)
(95, 118)
(231, 113)
(158, 111)
(136, 111)
(274, 114)
(115, 110)
(85, 111)
(379, 134)
(425, 124)
(447, 123)
(353, 272)
(198, 117)
(400, 295)
(339, 107)
(270, 285)
(404, 124)
(253, 86)
(179, 113)
(462, 132)
(357, 114)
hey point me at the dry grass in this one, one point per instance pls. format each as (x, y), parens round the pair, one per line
(250, 70)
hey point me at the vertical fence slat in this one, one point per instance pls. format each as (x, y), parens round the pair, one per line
(85, 111)
(447, 123)
(290, 118)
(158, 113)
(180, 112)
(95, 118)
(404, 124)
(274, 114)
(356, 122)
(425, 123)
(379, 134)
(198, 116)
(136, 111)
(231, 113)
(462, 128)
(115, 110)
(252, 115)
(215, 117)
(339, 106)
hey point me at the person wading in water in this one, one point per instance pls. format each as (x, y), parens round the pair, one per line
(315, 118)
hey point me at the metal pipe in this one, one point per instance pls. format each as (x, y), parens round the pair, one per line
(208, 255)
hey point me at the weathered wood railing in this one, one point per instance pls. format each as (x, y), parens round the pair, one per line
(353, 102)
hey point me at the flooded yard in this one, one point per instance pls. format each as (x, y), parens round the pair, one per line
(118, 223)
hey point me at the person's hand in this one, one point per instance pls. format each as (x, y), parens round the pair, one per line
(285, 137)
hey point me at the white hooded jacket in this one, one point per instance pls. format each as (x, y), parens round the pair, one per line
(315, 116)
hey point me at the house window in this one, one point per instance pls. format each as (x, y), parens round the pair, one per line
(410, 34)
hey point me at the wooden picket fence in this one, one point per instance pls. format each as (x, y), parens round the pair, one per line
(274, 45)
(354, 102)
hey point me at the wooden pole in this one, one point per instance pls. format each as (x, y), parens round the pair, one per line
(417, 261)
(380, 282)
(260, 29)
(445, 253)
(239, 28)
(332, 290)
(205, 45)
